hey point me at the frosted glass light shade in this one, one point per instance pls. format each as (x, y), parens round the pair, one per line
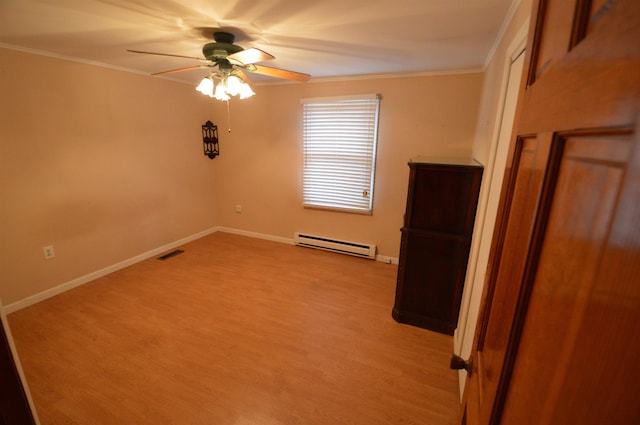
(231, 85)
(206, 86)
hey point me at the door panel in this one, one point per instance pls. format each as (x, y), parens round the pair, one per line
(510, 246)
(552, 45)
(568, 288)
(526, 176)
(587, 17)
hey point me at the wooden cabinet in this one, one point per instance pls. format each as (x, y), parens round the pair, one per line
(436, 238)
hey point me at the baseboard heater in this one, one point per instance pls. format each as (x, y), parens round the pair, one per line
(335, 245)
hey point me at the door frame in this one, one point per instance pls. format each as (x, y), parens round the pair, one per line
(489, 196)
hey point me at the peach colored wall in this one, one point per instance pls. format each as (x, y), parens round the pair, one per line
(106, 165)
(102, 164)
(260, 166)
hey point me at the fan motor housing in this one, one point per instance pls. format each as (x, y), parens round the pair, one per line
(213, 51)
(222, 47)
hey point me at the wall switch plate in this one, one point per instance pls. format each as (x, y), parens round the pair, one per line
(48, 251)
(238, 208)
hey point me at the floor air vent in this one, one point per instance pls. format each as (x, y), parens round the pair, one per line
(335, 245)
(170, 254)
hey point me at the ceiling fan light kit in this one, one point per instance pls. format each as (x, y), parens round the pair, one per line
(228, 86)
(206, 86)
(231, 61)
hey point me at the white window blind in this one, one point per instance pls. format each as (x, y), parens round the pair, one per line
(340, 136)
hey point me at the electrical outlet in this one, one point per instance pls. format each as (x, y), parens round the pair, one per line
(238, 208)
(48, 251)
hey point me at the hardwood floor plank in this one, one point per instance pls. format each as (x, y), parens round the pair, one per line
(235, 331)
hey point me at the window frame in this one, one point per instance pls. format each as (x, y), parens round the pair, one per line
(368, 138)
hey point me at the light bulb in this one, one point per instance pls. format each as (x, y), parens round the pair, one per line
(234, 85)
(245, 91)
(206, 87)
(220, 93)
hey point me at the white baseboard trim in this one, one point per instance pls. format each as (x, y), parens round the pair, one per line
(387, 260)
(288, 241)
(56, 290)
(59, 289)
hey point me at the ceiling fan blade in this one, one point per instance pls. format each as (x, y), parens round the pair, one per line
(166, 54)
(279, 73)
(242, 75)
(249, 56)
(189, 68)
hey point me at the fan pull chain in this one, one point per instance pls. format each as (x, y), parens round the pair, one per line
(228, 116)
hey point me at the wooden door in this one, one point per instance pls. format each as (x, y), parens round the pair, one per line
(559, 333)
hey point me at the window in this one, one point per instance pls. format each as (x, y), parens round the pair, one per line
(339, 136)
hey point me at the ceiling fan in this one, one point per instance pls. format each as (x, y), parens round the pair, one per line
(225, 59)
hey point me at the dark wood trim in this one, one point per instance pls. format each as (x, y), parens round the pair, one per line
(580, 22)
(535, 40)
(14, 406)
(422, 321)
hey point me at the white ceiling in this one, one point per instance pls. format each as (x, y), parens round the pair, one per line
(324, 38)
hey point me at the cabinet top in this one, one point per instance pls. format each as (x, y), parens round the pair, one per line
(469, 162)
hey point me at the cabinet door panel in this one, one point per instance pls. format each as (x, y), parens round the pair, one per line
(443, 198)
(430, 284)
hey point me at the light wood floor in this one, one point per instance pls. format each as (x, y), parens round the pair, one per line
(236, 331)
